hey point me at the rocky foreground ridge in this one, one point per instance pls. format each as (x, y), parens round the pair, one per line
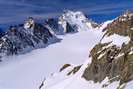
(110, 59)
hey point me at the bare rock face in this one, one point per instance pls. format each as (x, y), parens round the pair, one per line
(123, 25)
(74, 69)
(52, 23)
(112, 60)
(23, 38)
(64, 67)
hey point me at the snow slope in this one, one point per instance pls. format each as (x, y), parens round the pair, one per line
(75, 81)
(28, 71)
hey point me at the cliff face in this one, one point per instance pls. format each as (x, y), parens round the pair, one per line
(112, 57)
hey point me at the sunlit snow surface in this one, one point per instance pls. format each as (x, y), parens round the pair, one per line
(28, 71)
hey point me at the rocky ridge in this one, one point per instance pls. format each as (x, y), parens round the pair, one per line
(111, 59)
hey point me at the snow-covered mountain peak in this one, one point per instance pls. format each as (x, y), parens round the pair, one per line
(74, 15)
(77, 19)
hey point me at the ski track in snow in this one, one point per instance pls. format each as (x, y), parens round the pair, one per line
(27, 71)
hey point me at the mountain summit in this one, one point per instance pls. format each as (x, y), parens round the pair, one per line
(77, 20)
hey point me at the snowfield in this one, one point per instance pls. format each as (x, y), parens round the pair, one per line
(27, 71)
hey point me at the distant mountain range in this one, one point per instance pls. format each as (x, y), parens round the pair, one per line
(25, 37)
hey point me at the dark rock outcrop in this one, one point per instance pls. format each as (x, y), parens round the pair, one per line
(72, 71)
(53, 24)
(69, 28)
(60, 29)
